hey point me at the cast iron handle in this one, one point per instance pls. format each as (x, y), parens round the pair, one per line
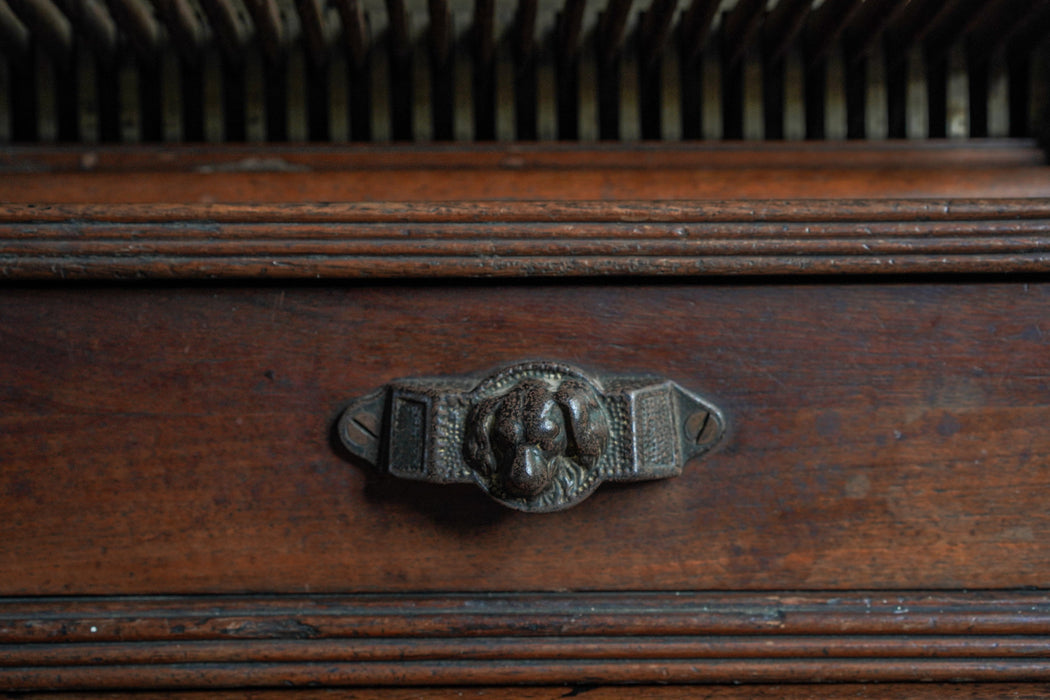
(537, 436)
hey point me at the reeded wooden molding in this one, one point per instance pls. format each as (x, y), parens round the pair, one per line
(835, 691)
(530, 239)
(267, 641)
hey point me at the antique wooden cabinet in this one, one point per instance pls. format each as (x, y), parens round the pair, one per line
(272, 415)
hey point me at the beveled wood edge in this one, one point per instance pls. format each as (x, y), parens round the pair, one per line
(487, 639)
(524, 239)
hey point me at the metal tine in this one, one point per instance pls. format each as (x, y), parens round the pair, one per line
(442, 85)
(739, 28)
(611, 29)
(524, 32)
(319, 32)
(48, 23)
(567, 80)
(655, 26)
(440, 35)
(269, 27)
(869, 26)
(903, 29)
(824, 27)
(522, 36)
(355, 31)
(986, 29)
(1031, 29)
(94, 23)
(782, 26)
(400, 47)
(945, 28)
(483, 33)
(569, 27)
(14, 36)
(137, 22)
(989, 22)
(484, 86)
(232, 31)
(694, 29)
(188, 32)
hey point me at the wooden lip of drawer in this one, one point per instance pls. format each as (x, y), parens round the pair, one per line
(209, 642)
(712, 172)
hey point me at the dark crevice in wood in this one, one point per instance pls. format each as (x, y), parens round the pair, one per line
(275, 75)
(150, 84)
(525, 88)
(233, 99)
(856, 98)
(484, 66)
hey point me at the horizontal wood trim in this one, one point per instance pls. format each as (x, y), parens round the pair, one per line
(742, 212)
(201, 618)
(172, 642)
(511, 672)
(836, 691)
(487, 239)
(535, 649)
(291, 174)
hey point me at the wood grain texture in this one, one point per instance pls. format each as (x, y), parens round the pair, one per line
(179, 439)
(176, 437)
(195, 174)
(523, 239)
(553, 638)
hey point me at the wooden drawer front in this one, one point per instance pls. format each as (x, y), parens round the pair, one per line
(167, 439)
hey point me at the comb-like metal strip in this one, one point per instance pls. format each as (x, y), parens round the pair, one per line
(520, 69)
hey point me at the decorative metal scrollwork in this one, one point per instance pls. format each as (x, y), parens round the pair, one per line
(537, 436)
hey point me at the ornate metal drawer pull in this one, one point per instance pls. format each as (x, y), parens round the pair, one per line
(538, 436)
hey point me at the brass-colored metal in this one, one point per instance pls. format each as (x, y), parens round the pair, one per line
(537, 436)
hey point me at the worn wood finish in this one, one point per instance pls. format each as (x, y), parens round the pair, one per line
(298, 174)
(516, 239)
(838, 691)
(179, 439)
(178, 513)
(553, 638)
(519, 672)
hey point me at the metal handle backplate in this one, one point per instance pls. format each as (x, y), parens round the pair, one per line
(536, 436)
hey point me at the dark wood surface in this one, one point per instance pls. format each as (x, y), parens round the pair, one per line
(179, 439)
(297, 174)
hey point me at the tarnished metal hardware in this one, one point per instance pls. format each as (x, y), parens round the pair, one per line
(537, 436)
